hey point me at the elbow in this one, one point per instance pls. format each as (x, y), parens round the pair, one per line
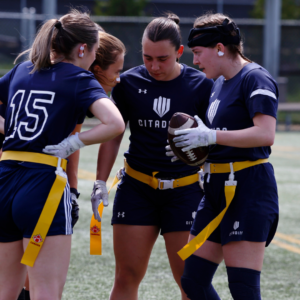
(120, 127)
(269, 140)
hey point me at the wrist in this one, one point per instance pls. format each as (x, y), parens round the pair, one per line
(75, 192)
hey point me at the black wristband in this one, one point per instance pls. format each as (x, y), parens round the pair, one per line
(75, 192)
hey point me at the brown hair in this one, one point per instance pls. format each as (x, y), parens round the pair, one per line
(210, 20)
(59, 37)
(164, 28)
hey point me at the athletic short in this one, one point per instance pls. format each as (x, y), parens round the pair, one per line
(23, 194)
(136, 203)
(253, 213)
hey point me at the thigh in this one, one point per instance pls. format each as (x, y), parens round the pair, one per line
(244, 254)
(12, 272)
(48, 275)
(209, 250)
(178, 207)
(174, 242)
(133, 246)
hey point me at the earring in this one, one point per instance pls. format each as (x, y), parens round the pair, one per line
(220, 53)
(80, 54)
(81, 48)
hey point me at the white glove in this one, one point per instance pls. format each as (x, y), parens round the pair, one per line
(171, 153)
(195, 137)
(64, 149)
(99, 193)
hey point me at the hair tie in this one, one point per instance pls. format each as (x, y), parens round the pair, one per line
(58, 25)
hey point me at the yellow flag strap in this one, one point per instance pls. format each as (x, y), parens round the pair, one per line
(230, 187)
(45, 220)
(95, 227)
(157, 183)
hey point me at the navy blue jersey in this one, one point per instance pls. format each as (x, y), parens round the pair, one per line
(234, 103)
(43, 108)
(2, 114)
(149, 104)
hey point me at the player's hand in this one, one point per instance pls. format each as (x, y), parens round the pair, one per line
(64, 149)
(99, 193)
(75, 206)
(171, 153)
(195, 137)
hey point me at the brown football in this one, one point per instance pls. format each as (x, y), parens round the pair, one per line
(193, 157)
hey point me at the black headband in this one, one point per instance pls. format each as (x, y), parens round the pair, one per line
(58, 25)
(207, 36)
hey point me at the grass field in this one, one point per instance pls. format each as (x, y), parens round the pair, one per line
(91, 277)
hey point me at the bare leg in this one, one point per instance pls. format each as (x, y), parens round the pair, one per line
(132, 247)
(174, 242)
(48, 275)
(12, 272)
(244, 254)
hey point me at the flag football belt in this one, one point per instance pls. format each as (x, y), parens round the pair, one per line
(45, 220)
(230, 186)
(160, 184)
(95, 225)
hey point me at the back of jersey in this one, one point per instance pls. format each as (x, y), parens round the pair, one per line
(43, 108)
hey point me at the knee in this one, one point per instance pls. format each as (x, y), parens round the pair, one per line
(128, 276)
(244, 284)
(197, 278)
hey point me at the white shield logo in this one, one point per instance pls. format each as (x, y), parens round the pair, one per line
(236, 225)
(161, 105)
(213, 110)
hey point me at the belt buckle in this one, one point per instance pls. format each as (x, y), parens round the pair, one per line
(167, 184)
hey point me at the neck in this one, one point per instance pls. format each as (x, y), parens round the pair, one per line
(176, 72)
(233, 67)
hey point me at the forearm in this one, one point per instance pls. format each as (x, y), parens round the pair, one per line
(2, 121)
(106, 157)
(247, 138)
(260, 135)
(72, 169)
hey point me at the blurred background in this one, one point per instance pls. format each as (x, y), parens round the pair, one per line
(271, 31)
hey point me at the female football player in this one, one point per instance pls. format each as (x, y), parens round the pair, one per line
(148, 200)
(45, 98)
(241, 120)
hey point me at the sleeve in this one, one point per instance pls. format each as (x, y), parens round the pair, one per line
(260, 93)
(118, 97)
(88, 91)
(4, 86)
(205, 89)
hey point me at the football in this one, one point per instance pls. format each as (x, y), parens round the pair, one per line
(193, 157)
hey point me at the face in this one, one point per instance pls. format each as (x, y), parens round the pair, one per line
(207, 60)
(160, 59)
(108, 78)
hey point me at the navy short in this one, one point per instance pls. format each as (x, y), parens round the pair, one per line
(253, 213)
(23, 194)
(171, 210)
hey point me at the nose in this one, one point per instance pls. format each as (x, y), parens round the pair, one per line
(155, 66)
(195, 60)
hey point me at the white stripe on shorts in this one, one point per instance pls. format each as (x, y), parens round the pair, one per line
(68, 209)
(263, 92)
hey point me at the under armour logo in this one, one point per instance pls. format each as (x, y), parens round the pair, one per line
(213, 110)
(142, 91)
(194, 214)
(236, 225)
(161, 105)
(121, 214)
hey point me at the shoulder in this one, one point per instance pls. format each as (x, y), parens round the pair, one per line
(136, 72)
(192, 74)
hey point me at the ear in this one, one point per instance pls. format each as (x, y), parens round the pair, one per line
(180, 51)
(220, 48)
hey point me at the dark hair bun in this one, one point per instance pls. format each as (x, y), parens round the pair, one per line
(173, 17)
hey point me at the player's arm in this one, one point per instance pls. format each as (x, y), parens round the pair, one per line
(2, 121)
(72, 170)
(260, 135)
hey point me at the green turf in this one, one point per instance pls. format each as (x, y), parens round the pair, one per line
(91, 277)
